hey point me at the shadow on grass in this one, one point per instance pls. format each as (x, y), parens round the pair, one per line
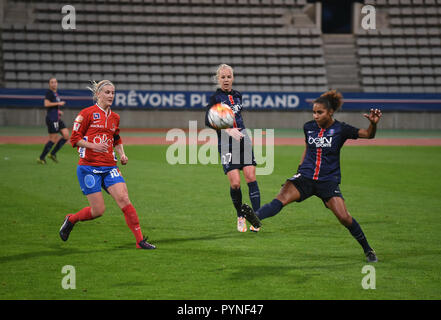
(57, 251)
(60, 250)
(207, 237)
(301, 272)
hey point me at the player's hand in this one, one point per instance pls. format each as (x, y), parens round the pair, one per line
(61, 103)
(235, 133)
(374, 116)
(124, 159)
(99, 147)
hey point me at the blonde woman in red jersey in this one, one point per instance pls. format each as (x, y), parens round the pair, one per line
(96, 134)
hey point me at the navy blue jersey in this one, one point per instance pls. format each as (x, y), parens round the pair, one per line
(52, 112)
(322, 158)
(234, 100)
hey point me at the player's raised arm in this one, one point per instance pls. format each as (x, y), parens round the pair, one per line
(373, 116)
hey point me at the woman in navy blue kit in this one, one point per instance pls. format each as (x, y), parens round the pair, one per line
(319, 170)
(55, 125)
(234, 145)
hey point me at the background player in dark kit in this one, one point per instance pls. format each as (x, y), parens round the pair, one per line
(232, 162)
(319, 170)
(54, 123)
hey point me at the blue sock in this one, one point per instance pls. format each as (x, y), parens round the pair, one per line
(236, 196)
(254, 192)
(358, 234)
(269, 209)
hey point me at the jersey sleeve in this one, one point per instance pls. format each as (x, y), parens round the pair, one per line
(240, 96)
(116, 137)
(80, 126)
(349, 132)
(304, 133)
(49, 96)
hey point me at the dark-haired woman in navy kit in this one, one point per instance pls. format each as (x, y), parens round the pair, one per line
(319, 170)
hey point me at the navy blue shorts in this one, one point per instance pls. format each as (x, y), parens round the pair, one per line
(236, 154)
(54, 126)
(231, 162)
(92, 178)
(325, 190)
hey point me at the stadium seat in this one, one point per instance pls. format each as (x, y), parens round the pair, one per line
(176, 39)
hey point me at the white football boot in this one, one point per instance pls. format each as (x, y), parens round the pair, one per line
(241, 224)
(254, 229)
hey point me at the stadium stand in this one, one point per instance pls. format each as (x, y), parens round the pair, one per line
(176, 44)
(405, 56)
(165, 45)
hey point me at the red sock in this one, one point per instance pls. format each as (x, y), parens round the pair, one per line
(82, 215)
(133, 221)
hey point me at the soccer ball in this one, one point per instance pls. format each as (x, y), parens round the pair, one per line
(221, 116)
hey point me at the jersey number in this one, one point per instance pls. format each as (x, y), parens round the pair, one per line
(225, 157)
(114, 173)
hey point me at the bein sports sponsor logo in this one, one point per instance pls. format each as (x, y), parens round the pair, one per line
(322, 142)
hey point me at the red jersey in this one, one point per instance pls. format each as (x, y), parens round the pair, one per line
(95, 125)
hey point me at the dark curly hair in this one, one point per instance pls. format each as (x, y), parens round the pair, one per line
(331, 99)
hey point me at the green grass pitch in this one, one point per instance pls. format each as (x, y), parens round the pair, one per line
(302, 253)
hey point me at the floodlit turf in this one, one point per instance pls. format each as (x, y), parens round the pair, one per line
(302, 253)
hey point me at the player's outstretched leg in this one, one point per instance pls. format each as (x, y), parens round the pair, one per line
(66, 228)
(71, 219)
(371, 256)
(358, 235)
(143, 244)
(251, 217)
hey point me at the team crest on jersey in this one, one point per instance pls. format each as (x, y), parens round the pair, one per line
(331, 132)
(237, 108)
(96, 116)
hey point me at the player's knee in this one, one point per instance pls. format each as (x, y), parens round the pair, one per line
(98, 211)
(345, 220)
(250, 176)
(123, 200)
(235, 185)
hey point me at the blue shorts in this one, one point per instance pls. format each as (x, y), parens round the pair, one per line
(92, 178)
